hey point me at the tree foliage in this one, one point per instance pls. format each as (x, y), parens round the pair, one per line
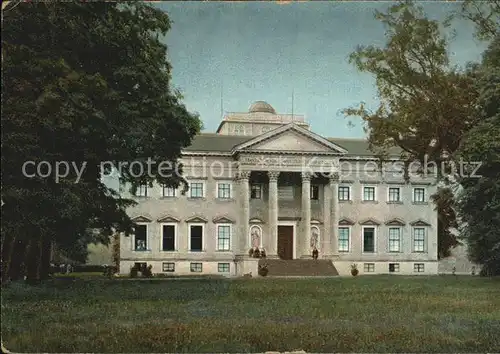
(486, 16)
(444, 201)
(479, 201)
(83, 83)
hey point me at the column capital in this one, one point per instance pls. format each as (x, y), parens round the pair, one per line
(273, 175)
(334, 177)
(306, 176)
(242, 175)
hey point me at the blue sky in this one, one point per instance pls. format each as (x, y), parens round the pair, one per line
(264, 51)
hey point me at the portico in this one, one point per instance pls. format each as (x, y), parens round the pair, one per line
(285, 163)
(285, 205)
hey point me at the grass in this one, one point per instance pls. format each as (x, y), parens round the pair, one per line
(363, 314)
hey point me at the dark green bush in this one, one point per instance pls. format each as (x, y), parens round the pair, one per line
(134, 272)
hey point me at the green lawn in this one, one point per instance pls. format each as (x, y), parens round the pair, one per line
(363, 314)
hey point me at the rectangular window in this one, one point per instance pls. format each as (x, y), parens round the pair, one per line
(223, 267)
(168, 191)
(418, 267)
(142, 191)
(344, 193)
(140, 237)
(418, 239)
(168, 238)
(369, 193)
(393, 267)
(419, 195)
(369, 239)
(394, 194)
(314, 192)
(223, 190)
(196, 237)
(196, 267)
(223, 237)
(256, 191)
(344, 239)
(394, 239)
(285, 192)
(369, 267)
(196, 189)
(168, 267)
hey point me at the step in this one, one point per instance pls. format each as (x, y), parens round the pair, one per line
(300, 267)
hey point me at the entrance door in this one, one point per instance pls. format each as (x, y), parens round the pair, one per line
(285, 242)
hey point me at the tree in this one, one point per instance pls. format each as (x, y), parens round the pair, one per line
(479, 201)
(426, 105)
(444, 200)
(83, 83)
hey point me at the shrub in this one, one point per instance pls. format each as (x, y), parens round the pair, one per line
(109, 271)
(88, 268)
(147, 272)
(263, 270)
(257, 253)
(354, 269)
(134, 272)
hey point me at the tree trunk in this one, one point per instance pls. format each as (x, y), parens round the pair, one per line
(116, 251)
(33, 256)
(45, 259)
(17, 258)
(8, 244)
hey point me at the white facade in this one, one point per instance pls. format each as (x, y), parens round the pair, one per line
(265, 180)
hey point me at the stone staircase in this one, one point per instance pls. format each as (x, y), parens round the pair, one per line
(299, 267)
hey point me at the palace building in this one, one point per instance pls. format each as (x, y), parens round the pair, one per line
(265, 181)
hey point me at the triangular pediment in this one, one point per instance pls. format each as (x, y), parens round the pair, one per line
(197, 219)
(222, 220)
(141, 218)
(369, 221)
(290, 138)
(346, 221)
(419, 222)
(168, 218)
(395, 222)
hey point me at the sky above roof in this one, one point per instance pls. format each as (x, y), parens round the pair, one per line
(251, 51)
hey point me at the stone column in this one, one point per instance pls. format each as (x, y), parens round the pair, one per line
(272, 237)
(327, 236)
(242, 240)
(334, 184)
(304, 239)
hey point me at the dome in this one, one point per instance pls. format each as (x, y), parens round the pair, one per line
(261, 106)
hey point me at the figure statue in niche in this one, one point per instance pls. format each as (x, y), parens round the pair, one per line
(255, 237)
(314, 238)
